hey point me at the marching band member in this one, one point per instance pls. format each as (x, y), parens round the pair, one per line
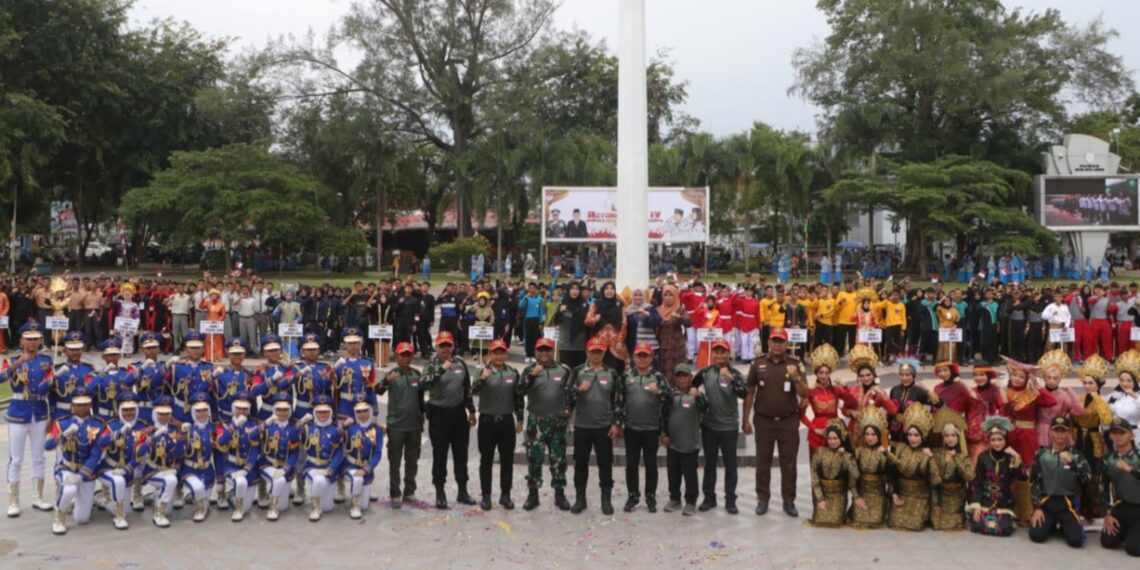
(78, 459)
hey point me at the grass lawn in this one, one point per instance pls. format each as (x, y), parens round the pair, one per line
(5, 391)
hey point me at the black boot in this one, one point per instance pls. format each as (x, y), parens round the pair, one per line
(485, 504)
(730, 506)
(505, 501)
(560, 500)
(651, 503)
(631, 503)
(708, 504)
(607, 506)
(440, 497)
(579, 501)
(463, 498)
(531, 500)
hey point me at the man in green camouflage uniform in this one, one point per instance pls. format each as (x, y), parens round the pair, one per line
(1055, 479)
(543, 383)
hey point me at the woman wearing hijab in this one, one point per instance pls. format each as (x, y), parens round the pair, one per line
(606, 320)
(833, 476)
(991, 495)
(642, 321)
(870, 506)
(671, 333)
(906, 394)
(956, 471)
(867, 391)
(916, 476)
(570, 320)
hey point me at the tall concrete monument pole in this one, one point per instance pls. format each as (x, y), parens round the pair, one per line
(633, 150)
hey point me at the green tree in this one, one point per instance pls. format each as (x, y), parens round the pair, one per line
(953, 198)
(924, 79)
(239, 194)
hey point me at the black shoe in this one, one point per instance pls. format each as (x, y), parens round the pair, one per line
(561, 502)
(607, 506)
(651, 504)
(531, 500)
(440, 498)
(631, 503)
(579, 502)
(762, 508)
(485, 504)
(790, 509)
(708, 504)
(506, 502)
(463, 498)
(730, 507)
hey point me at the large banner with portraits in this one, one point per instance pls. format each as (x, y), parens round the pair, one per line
(589, 215)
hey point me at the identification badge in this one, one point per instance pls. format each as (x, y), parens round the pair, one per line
(603, 380)
(723, 384)
(556, 378)
(457, 371)
(686, 405)
(787, 386)
(509, 379)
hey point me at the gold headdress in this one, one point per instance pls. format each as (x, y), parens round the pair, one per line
(861, 355)
(948, 416)
(1056, 358)
(918, 416)
(866, 294)
(58, 285)
(873, 415)
(1129, 361)
(824, 355)
(127, 288)
(1095, 366)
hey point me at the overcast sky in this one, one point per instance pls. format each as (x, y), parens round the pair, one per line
(736, 54)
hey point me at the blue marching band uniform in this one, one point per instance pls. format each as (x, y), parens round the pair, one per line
(185, 428)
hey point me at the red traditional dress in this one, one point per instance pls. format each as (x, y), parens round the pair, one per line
(1024, 408)
(1066, 404)
(824, 405)
(862, 398)
(956, 396)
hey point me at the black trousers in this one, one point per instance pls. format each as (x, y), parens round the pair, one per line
(891, 345)
(597, 440)
(1016, 333)
(501, 331)
(822, 334)
(724, 442)
(641, 445)
(423, 335)
(1035, 342)
(682, 465)
(496, 432)
(765, 330)
(1059, 513)
(572, 358)
(844, 336)
(448, 430)
(401, 332)
(533, 331)
(1128, 514)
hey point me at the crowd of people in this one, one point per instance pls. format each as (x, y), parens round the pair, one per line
(652, 366)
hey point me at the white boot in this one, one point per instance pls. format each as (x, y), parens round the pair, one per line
(160, 519)
(201, 508)
(137, 501)
(354, 510)
(274, 514)
(339, 497)
(218, 498)
(13, 499)
(57, 524)
(239, 509)
(315, 514)
(179, 499)
(38, 501)
(121, 515)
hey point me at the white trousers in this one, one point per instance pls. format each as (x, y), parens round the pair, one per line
(320, 486)
(691, 343)
(79, 494)
(277, 487)
(18, 436)
(165, 483)
(196, 488)
(357, 487)
(241, 489)
(117, 485)
(748, 344)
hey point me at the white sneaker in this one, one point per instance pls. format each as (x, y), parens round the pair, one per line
(239, 510)
(354, 512)
(121, 516)
(160, 519)
(57, 524)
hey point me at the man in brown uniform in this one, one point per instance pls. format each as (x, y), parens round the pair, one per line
(776, 381)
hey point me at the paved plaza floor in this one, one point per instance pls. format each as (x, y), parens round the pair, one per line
(422, 537)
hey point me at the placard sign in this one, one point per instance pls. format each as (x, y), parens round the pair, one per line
(870, 336)
(212, 327)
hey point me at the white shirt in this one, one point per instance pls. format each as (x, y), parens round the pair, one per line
(246, 306)
(1127, 407)
(180, 304)
(1055, 314)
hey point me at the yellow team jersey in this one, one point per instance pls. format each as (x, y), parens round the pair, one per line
(892, 314)
(845, 314)
(825, 311)
(809, 308)
(768, 310)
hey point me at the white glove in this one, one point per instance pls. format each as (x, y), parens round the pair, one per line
(240, 474)
(71, 429)
(161, 430)
(148, 362)
(72, 480)
(306, 419)
(118, 472)
(62, 370)
(173, 360)
(239, 421)
(338, 362)
(125, 430)
(185, 428)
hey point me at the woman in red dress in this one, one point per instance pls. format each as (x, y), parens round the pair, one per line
(862, 359)
(1024, 403)
(824, 398)
(990, 401)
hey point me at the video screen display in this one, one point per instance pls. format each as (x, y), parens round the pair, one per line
(1090, 203)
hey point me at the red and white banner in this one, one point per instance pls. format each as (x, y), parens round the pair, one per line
(580, 215)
